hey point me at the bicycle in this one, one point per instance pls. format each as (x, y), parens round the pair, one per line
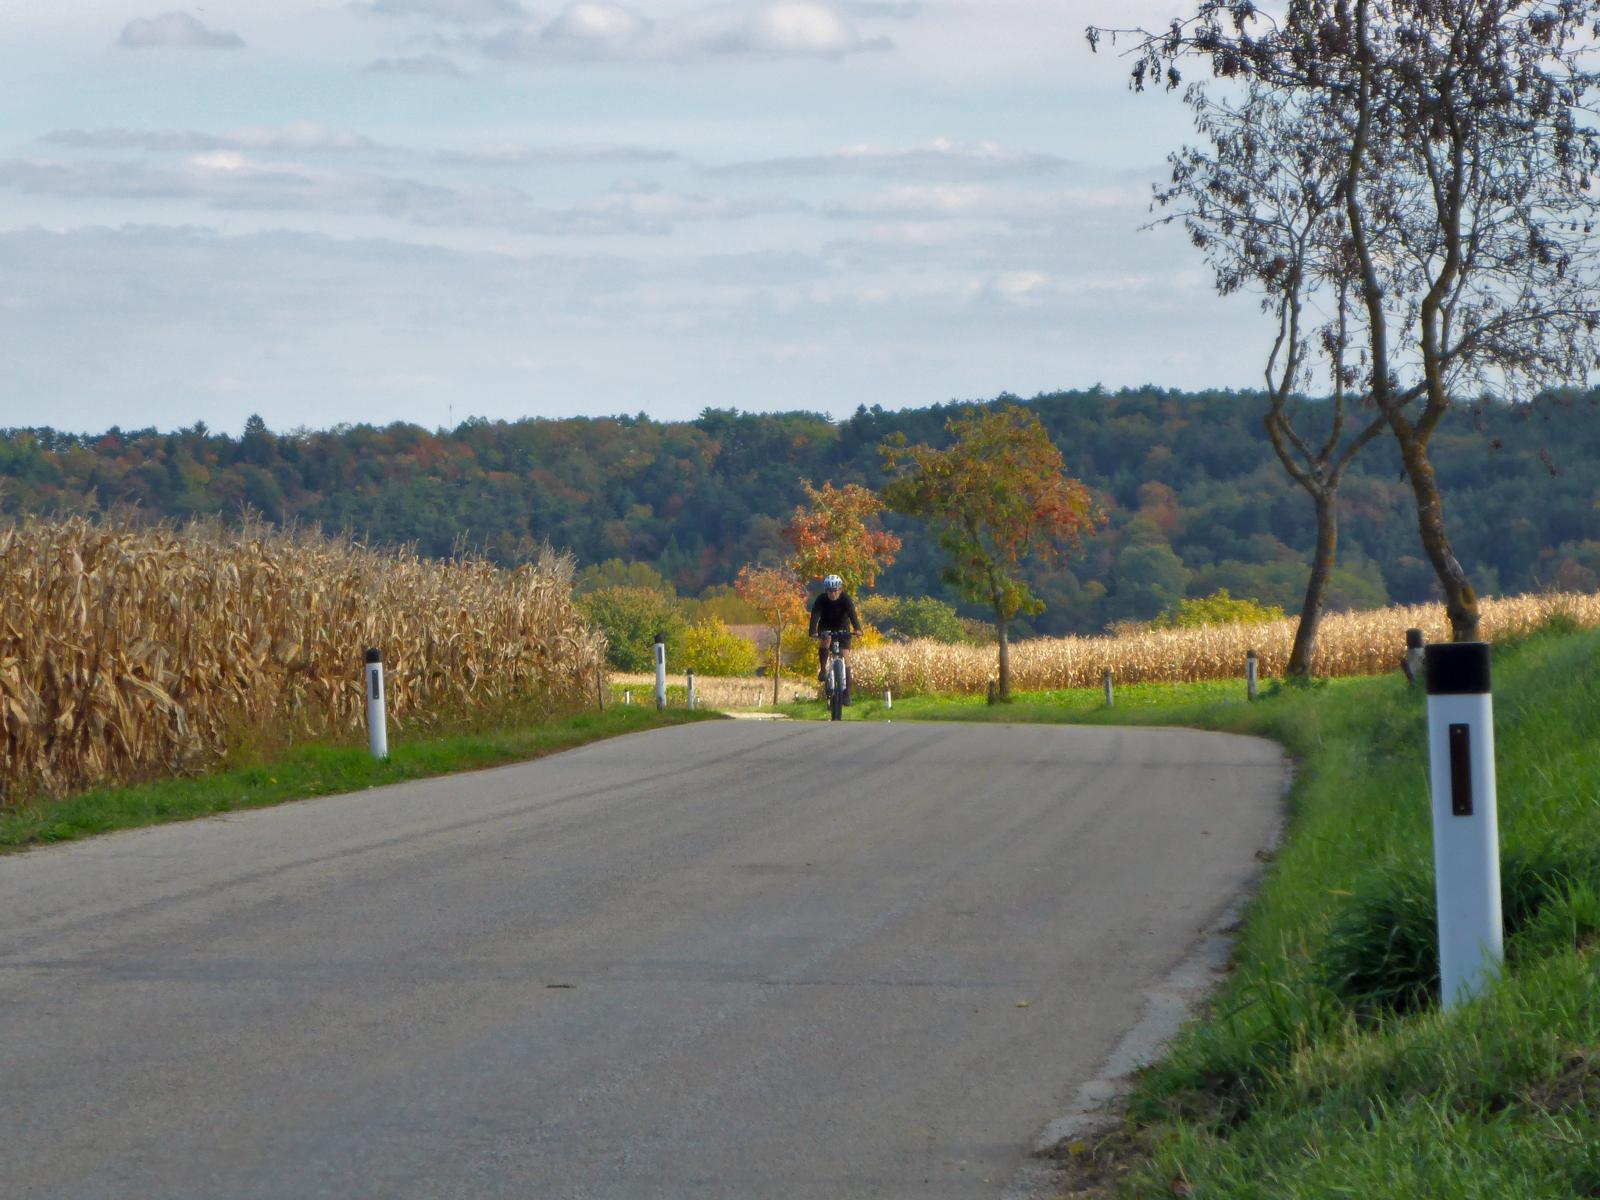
(836, 678)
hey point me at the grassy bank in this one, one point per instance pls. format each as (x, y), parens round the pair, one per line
(319, 769)
(1325, 1067)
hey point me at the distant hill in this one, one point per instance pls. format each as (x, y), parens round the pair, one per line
(1196, 499)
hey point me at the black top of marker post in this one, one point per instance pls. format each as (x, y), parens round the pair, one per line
(374, 656)
(1457, 668)
(1414, 639)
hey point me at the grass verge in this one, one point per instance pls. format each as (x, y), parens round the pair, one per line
(320, 769)
(1324, 1067)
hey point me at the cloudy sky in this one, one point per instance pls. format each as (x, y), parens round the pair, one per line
(372, 210)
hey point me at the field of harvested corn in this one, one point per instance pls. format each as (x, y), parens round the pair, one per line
(131, 651)
(1360, 643)
(717, 691)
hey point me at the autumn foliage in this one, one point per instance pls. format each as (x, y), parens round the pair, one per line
(840, 534)
(779, 596)
(997, 495)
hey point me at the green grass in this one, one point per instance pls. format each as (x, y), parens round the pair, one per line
(1325, 1067)
(322, 769)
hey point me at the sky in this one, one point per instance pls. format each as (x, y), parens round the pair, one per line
(344, 211)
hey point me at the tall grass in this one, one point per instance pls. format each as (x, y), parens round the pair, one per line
(130, 651)
(1359, 643)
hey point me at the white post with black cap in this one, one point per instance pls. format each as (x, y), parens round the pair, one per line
(1415, 645)
(1252, 674)
(661, 671)
(377, 724)
(1466, 833)
(1110, 694)
(691, 687)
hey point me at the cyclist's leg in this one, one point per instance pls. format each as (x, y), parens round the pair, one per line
(822, 657)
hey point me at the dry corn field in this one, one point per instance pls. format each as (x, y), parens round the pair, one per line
(128, 652)
(719, 691)
(1360, 643)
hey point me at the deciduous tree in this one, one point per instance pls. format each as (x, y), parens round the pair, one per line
(779, 596)
(1471, 219)
(840, 533)
(996, 496)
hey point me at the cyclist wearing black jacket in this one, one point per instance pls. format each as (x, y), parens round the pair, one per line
(833, 614)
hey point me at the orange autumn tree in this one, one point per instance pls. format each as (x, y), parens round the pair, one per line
(840, 534)
(779, 596)
(997, 496)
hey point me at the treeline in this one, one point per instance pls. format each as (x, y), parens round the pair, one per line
(1196, 500)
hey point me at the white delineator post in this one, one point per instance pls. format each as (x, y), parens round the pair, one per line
(888, 697)
(1251, 674)
(661, 672)
(691, 688)
(377, 724)
(1109, 694)
(1466, 832)
(1414, 649)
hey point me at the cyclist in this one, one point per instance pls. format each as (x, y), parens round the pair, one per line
(833, 615)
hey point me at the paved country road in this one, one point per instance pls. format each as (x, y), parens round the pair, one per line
(729, 960)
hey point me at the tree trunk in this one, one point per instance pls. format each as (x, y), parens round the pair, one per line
(1460, 600)
(1305, 634)
(1005, 654)
(777, 663)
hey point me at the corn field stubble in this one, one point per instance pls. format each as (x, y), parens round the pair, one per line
(1357, 643)
(132, 652)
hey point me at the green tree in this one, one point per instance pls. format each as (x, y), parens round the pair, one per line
(614, 572)
(1150, 578)
(711, 648)
(997, 496)
(1219, 608)
(631, 617)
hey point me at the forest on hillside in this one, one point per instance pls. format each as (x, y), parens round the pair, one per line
(1195, 499)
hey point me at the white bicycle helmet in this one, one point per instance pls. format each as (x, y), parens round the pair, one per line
(831, 582)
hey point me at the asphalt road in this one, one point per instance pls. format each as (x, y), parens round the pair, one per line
(730, 960)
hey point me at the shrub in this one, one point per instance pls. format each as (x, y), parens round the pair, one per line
(711, 648)
(1219, 608)
(631, 617)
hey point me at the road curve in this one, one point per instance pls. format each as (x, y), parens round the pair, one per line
(733, 960)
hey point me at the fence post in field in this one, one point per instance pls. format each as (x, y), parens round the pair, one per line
(377, 725)
(1110, 695)
(1413, 658)
(691, 687)
(1466, 833)
(661, 671)
(1251, 674)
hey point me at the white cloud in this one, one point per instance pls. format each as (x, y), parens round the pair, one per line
(941, 159)
(303, 137)
(176, 29)
(230, 179)
(465, 12)
(589, 24)
(596, 30)
(798, 28)
(520, 154)
(423, 64)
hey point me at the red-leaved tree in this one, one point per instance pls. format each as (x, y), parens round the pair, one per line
(779, 596)
(840, 534)
(999, 494)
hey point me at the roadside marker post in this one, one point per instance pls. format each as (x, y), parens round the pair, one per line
(888, 697)
(1414, 649)
(1110, 696)
(661, 671)
(377, 724)
(1251, 674)
(1466, 832)
(691, 688)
